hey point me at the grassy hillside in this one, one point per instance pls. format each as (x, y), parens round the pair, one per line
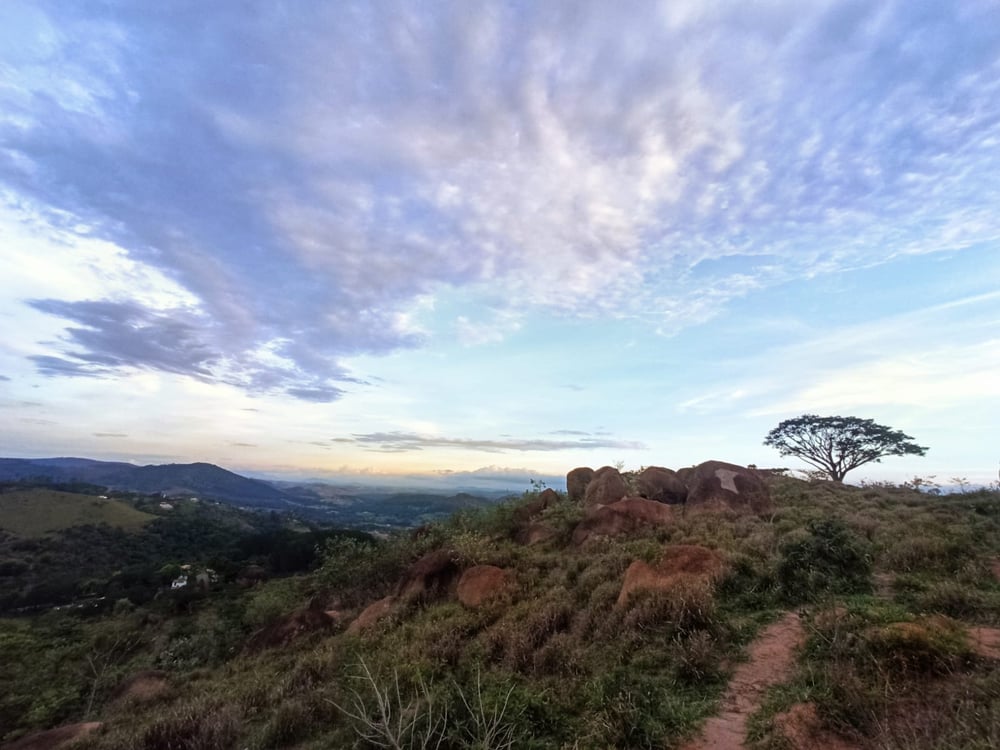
(39, 511)
(888, 582)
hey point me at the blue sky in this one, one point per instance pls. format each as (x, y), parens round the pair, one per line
(481, 240)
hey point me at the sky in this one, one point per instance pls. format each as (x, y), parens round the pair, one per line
(497, 240)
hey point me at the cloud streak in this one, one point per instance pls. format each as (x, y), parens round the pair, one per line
(405, 442)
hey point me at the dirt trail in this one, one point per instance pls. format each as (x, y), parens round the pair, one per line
(772, 657)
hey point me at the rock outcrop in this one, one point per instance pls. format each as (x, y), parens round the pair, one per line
(622, 517)
(430, 577)
(716, 485)
(527, 512)
(576, 483)
(608, 486)
(372, 614)
(534, 533)
(482, 583)
(143, 687)
(679, 564)
(662, 485)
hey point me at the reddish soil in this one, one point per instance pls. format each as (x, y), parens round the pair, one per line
(802, 729)
(772, 657)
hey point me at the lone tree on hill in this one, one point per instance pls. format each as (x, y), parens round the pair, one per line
(836, 445)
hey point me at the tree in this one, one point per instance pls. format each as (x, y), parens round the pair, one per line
(836, 445)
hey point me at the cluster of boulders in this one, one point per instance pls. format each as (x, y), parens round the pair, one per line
(614, 504)
(715, 484)
(617, 503)
(437, 575)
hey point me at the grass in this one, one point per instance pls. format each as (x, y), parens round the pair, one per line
(38, 512)
(557, 663)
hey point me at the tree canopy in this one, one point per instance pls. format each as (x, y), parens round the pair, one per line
(836, 445)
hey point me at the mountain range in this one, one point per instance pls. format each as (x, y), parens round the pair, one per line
(189, 480)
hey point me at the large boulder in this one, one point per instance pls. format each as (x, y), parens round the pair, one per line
(372, 614)
(662, 485)
(534, 533)
(146, 686)
(481, 583)
(576, 483)
(716, 484)
(680, 564)
(623, 517)
(527, 512)
(430, 577)
(608, 486)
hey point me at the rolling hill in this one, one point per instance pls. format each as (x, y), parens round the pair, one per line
(196, 479)
(39, 511)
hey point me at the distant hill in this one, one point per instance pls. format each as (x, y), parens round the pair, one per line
(190, 480)
(39, 511)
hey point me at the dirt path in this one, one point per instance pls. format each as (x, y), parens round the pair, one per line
(772, 657)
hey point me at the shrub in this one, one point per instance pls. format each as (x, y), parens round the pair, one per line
(829, 559)
(929, 645)
(684, 608)
(197, 726)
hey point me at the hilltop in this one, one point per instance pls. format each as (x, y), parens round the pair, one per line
(195, 479)
(348, 505)
(567, 620)
(39, 511)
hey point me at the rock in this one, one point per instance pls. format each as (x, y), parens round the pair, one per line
(985, 642)
(54, 738)
(430, 576)
(481, 583)
(534, 533)
(528, 511)
(802, 729)
(576, 483)
(142, 687)
(679, 564)
(372, 614)
(716, 484)
(662, 485)
(608, 486)
(625, 516)
(287, 629)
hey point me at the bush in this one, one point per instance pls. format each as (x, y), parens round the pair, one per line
(682, 609)
(830, 559)
(192, 727)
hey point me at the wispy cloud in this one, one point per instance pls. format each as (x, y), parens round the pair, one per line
(591, 159)
(404, 442)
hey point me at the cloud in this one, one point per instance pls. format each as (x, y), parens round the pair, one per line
(111, 434)
(404, 442)
(307, 174)
(111, 336)
(4, 379)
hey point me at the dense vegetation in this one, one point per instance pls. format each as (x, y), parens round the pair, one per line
(887, 579)
(131, 546)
